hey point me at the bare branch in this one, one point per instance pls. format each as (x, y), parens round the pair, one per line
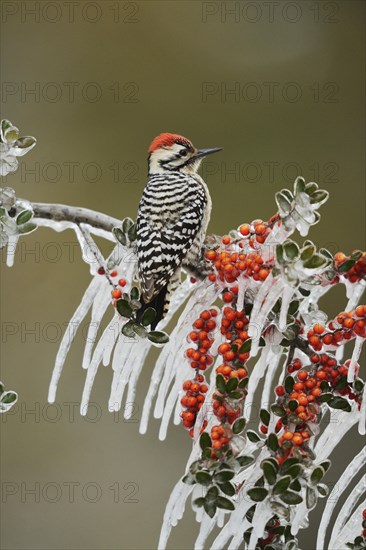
(74, 214)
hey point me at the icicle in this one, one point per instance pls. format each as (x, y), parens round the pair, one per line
(346, 510)
(355, 291)
(339, 424)
(271, 372)
(262, 514)
(100, 305)
(207, 525)
(69, 335)
(362, 421)
(257, 321)
(107, 340)
(12, 246)
(342, 484)
(257, 373)
(286, 299)
(353, 525)
(354, 359)
(179, 494)
(243, 284)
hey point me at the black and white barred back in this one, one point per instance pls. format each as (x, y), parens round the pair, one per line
(171, 225)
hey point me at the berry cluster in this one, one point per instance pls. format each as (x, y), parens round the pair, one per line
(220, 437)
(193, 400)
(204, 326)
(230, 265)
(200, 359)
(347, 325)
(352, 270)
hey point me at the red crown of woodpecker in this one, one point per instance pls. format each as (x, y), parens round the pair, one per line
(166, 140)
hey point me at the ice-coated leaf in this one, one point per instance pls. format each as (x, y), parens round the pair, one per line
(252, 436)
(290, 497)
(272, 442)
(24, 217)
(282, 485)
(264, 416)
(239, 425)
(220, 384)
(204, 478)
(315, 262)
(269, 471)
(299, 185)
(311, 497)
(283, 203)
(158, 337)
(319, 197)
(244, 460)
(205, 441)
(124, 308)
(257, 494)
(119, 235)
(27, 228)
(225, 503)
(339, 403)
(223, 475)
(148, 316)
(317, 475)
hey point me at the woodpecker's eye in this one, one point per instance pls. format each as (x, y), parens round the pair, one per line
(183, 153)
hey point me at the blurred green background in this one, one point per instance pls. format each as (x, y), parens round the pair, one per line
(281, 87)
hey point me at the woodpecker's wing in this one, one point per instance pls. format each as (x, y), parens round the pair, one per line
(166, 231)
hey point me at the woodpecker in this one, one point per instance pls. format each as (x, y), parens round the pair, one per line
(172, 219)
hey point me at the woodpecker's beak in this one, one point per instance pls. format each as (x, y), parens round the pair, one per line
(204, 152)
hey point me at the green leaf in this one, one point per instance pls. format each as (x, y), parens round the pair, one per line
(264, 416)
(135, 293)
(296, 485)
(294, 307)
(205, 441)
(307, 252)
(279, 256)
(282, 485)
(269, 471)
(245, 348)
(311, 497)
(294, 470)
(228, 489)
(283, 203)
(128, 330)
(253, 437)
(27, 228)
(319, 196)
(326, 464)
(203, 478)
(158, 337)
(317, 475)
(140, 330)
(220, 384)
(127, 223)
(199, 502)
(24, 217)
(315, 262)
(243, 383)
(272, 442)
(290, 497)
(210, 508)
(325, 397)
(148, 316)
(358, 385)
(339, 403)
(293, 404)
(124, 308)
(299, 185)
(119, 236)
(257, 494)
(311, 187)
(244, 460)
(323, 490)
(231, 385)
(132, 233)
(212, 493)
(291, 250)
(9, 397)
(278, 410)
(225, 503)
(235, 395)
(289, 384)
(346, 266)
(189, 479)
(238, 426)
